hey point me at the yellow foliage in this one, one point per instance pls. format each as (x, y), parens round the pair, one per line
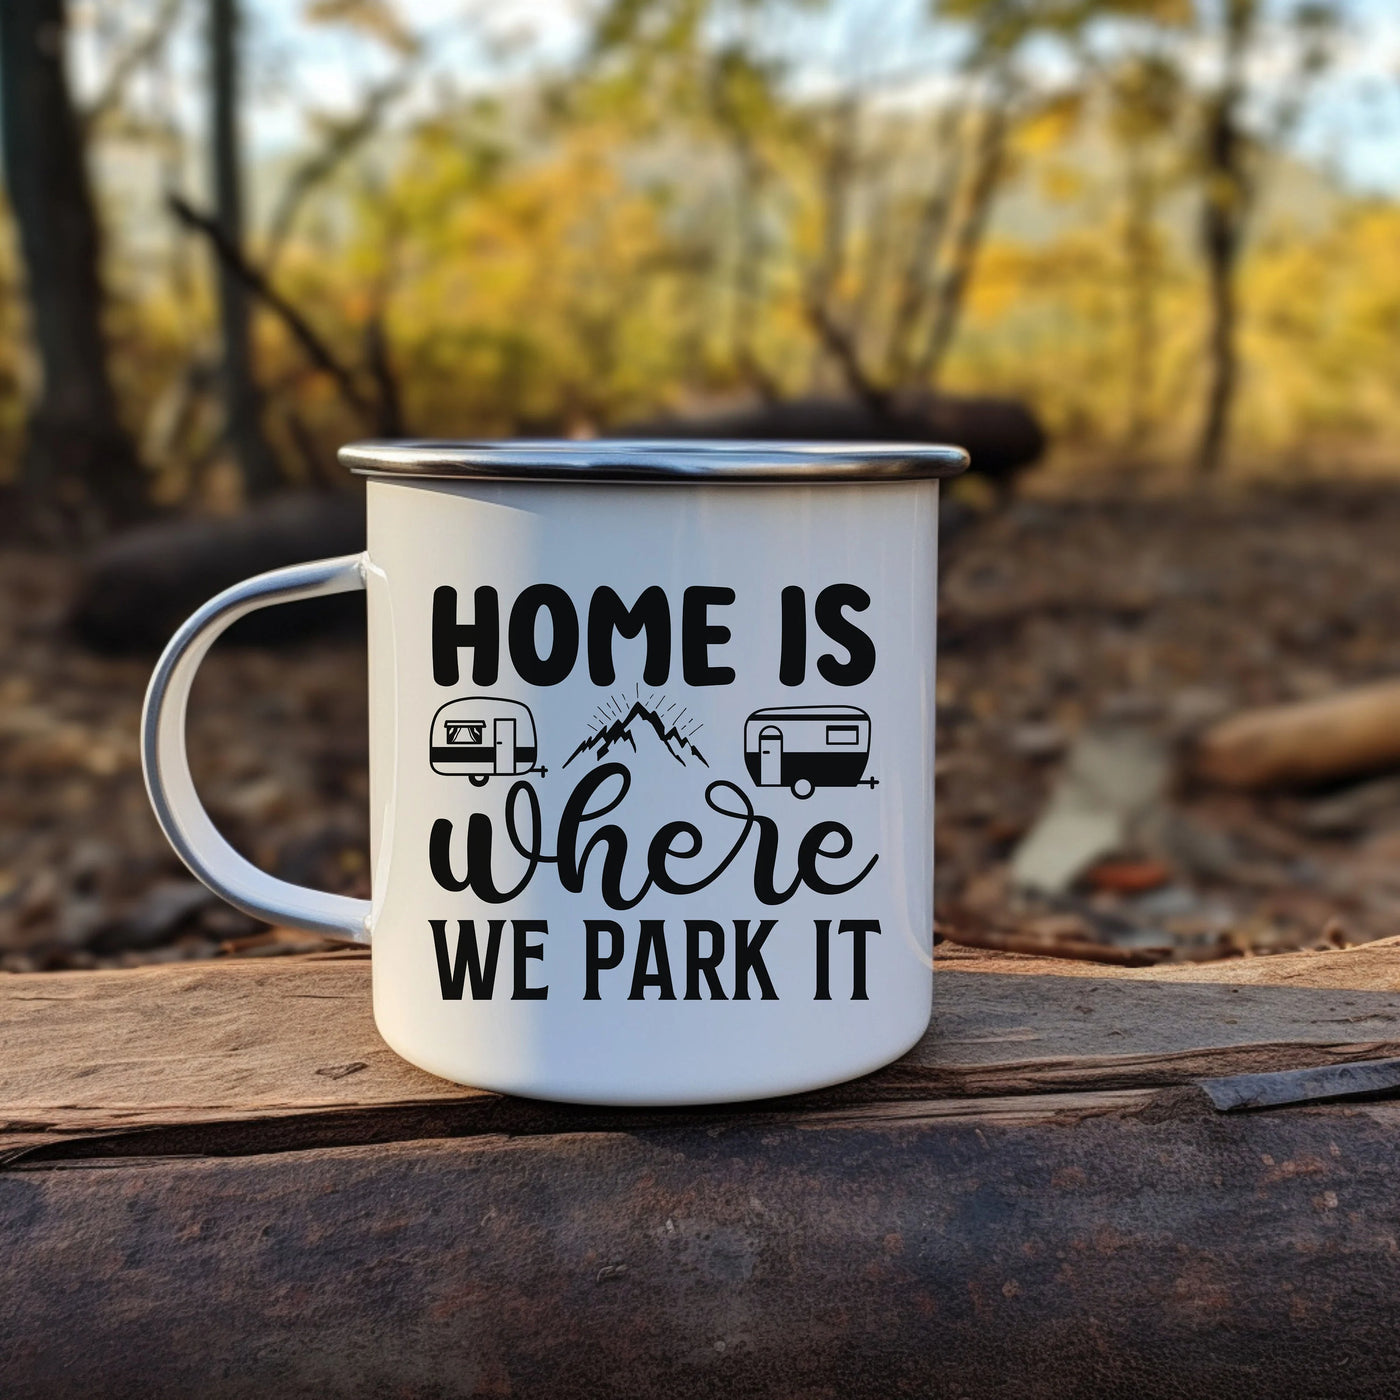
(581, 273)
(1050, 125)
(1062, 183)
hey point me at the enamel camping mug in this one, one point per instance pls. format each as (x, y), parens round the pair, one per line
(651, 761)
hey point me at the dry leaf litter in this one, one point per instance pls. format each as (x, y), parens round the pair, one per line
(1084, 642)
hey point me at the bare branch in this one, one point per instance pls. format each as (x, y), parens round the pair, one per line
(143, 48)
(315, 348)
(951, 290)
(748, 268)
(376, 18)
(314, 462)
(840, 346)
(920, 272)
(838, 174)
(321, 165)
(390, 420)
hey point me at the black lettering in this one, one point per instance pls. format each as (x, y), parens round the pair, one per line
(859, 928)
(707, 966)
(766, 857)
(479, 876)
(530, 666)
(765, 863)
(811, 846)
(482, 635)
(663, 844)
(823, 960)
(612, 838)
(699, 634)
(748, 958)
(452, 973)
(673, 842)
(652, 944)
(593, 960)
(832, 620)
(792, 658)
(524, 951)
(650, 613)
(440, 855)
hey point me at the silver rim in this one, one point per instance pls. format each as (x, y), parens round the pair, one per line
(623, 460)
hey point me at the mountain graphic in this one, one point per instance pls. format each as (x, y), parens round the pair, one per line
(677, 745)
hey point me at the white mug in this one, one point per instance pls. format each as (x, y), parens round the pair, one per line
(651, 761)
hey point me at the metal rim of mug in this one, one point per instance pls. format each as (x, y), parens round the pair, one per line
(636, 460)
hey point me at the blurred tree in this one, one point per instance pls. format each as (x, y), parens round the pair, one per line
(242, 399)
(1230, 158)
(80, 471)
(1001, 97)
(742, 101)
(140, 48)
(999, 31)
(1146, 97)
(778, 198)
(1228, 193)
(886, 241)
(370, 389)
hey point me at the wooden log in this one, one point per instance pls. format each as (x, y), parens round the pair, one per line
(220, 1181)
(1304, 744)
(138, 587)
(276, 1045)
(1157, 1252)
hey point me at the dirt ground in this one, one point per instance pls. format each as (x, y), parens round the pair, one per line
(1059, 617)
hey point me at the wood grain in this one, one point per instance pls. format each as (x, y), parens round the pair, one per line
(287, 1048)
(1371, 967)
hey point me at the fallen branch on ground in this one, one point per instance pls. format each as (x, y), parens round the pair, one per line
(1315, 741)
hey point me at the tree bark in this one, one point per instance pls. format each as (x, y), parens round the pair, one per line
(242, 399)
(79, 472)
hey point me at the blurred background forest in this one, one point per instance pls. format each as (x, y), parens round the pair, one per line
(1149, 245)
(1168, 225)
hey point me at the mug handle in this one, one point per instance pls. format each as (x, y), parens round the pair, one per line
(166, 766)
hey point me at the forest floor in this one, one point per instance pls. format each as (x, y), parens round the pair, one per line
(1060, 618)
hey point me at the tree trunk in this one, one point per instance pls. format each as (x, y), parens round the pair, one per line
(1140, 255)
(920, 270)
(966, 240)
(80, 472)
(1221, 353)
(827, 318)
(242, 399)
(1222, 235)
(748, 271)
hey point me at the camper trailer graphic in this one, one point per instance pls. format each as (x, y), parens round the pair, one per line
(804, 747)
(480, 737)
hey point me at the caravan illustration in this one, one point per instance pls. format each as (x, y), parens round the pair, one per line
(481, 737)
(804, 747)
